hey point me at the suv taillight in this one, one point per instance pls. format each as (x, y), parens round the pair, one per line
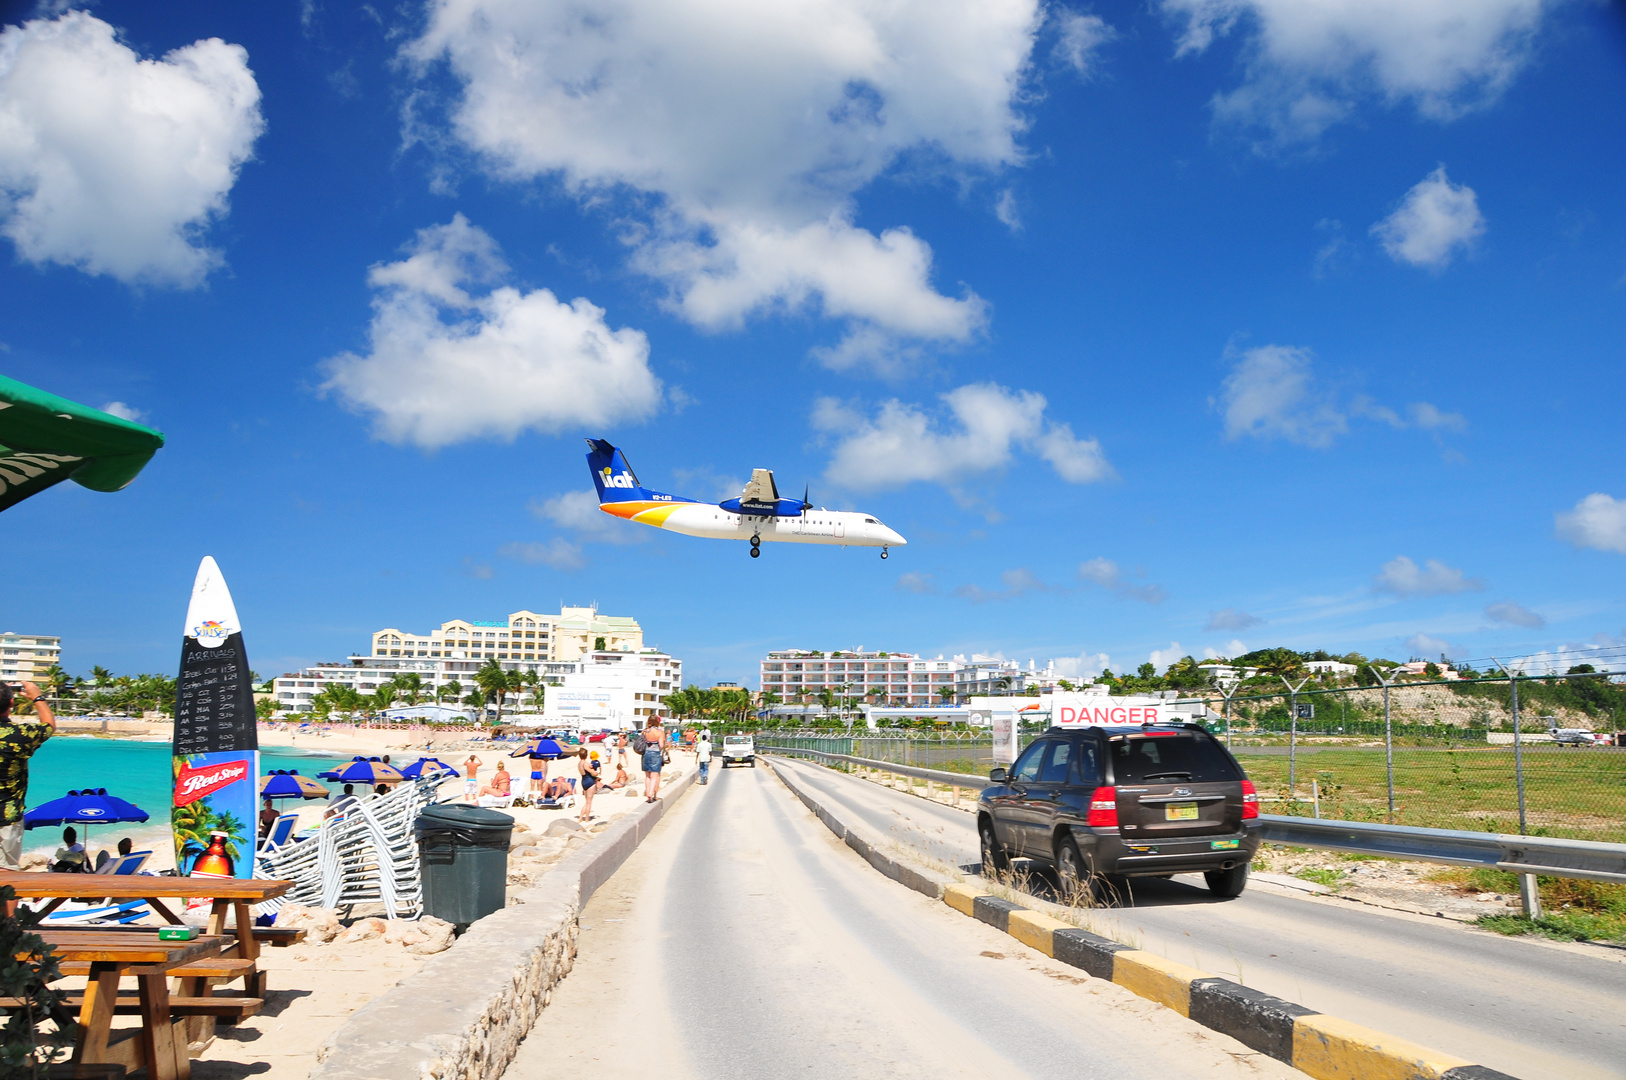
(1250, 800)
(1103, 808)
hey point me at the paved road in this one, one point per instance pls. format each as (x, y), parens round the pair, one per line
(1536, 1010)
(743, 941)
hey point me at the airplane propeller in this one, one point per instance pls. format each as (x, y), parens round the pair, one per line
(806, 506)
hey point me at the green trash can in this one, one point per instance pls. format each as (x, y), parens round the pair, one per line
(463, 852)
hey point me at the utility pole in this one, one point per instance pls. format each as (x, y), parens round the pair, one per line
(1229, 694)
(1388, 740)
(1528, 896)
(1293, 732)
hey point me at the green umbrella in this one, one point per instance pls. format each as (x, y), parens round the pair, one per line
(45, 440)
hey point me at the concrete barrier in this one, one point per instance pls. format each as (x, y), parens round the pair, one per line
(1322, 1046)
(465, 1012)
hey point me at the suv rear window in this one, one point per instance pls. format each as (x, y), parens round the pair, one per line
(735, 740)
(1168, 759)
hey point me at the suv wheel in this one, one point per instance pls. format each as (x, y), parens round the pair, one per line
(994, 858)
(1227, 883)
(1070, 869)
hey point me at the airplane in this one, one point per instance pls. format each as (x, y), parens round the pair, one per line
(758, 514)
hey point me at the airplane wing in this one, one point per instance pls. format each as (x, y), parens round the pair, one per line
(760, 488)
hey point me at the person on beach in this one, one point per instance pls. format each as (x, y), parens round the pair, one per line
(17, 744)
(654, 742)
(702, 755)
(499, 787)
(268, 817)
(343, 803)
(621, 750)
(621, 778)
(539, 770)
(70, 858)
(590, 783)
(471, 778)
(558, 788)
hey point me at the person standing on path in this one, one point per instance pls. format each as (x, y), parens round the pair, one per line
(590, 783)
(654, 741)
(702, 756)
(621, 750)
(17, 744)
(471, 781)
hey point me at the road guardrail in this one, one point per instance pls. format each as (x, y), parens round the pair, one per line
(1543, 855)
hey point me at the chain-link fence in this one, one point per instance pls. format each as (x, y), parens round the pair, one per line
(1441, 756)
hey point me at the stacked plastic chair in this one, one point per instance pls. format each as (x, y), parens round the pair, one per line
(368, 856)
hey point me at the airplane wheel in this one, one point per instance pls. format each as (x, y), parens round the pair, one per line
(883, 553)
(756, 541)
(756, 553)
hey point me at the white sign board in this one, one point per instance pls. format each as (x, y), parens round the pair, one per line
(1090, 710)
(1005, 741)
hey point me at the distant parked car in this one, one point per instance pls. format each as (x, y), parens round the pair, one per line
(1143, 800)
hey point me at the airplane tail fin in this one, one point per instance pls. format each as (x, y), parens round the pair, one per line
(612, 476)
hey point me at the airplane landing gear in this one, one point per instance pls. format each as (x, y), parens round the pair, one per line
(883, 553)
(756, 547)
(756, 553)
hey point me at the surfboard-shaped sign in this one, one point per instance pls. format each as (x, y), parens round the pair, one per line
(216, 753)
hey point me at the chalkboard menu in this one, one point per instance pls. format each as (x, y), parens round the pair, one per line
(214, 699)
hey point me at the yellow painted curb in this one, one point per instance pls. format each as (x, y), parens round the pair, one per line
(1156, 979)
(1328, 1048)
(962, 898)
(1034, 930)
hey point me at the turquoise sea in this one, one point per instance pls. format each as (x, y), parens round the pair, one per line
(137, 771)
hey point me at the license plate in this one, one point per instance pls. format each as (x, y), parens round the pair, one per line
(1223, 845)
(1185, 811)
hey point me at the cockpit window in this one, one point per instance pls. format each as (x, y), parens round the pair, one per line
(870, 521)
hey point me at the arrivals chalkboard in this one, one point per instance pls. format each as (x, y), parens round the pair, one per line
(214, 700)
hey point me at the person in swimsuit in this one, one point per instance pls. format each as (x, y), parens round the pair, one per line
(471, 785)
(654, 740)
(590, 783)
(621, 750)
(539, 771)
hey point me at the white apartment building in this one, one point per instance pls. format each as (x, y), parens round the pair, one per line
(27, 657)
(553, 646)
(1329, 667)
(613, 690)
(903, 680)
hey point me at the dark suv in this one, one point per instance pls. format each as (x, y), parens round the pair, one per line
(1145, 800)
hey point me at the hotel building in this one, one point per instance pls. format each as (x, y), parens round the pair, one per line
(902, 679)
(27, 657)
(553, 646)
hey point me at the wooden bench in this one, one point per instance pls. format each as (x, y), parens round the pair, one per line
(216, 1005)
(279, 937)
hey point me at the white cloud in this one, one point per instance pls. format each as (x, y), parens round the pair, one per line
(447, 365)
(1272, 394)
(1084, 666)
(1308, 65)
(919, 584)
(1431, 224)
(558, 553)
(1005, 209)
(578, 512)
(1598, 521)
(114, 164)
(1403, 577)
(1232, 619)
(901, 444)
(1419, 415)
(1429, 647)
(124, 412)
(1162, 658)
(1105, 573)
(1079, 38)
(750, 128)
(1507, 611)
(1016, 582)
(1234, 647)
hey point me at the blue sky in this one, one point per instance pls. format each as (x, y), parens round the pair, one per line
(1158, 328)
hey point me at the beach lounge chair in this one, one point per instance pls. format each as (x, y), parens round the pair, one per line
(123, 865)
(496, 802)
(281, 830)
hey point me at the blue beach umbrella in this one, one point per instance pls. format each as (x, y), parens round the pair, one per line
(288, 784)
(544, 748)
(91, 806)
(363, 770)
(430, 765)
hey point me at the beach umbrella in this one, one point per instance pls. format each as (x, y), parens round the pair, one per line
(363, 770)
(430, 765)
(90, 806)
(288, 784)
(45, 439)
(545, 748)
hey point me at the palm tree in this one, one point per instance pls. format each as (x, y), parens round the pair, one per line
(476, 698)
(449, 691)
(494, 681)
(410, 684)
(947, 694)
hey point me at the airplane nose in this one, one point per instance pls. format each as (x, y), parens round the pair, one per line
(893, 539)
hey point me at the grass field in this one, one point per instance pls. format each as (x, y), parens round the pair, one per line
(1579, 794)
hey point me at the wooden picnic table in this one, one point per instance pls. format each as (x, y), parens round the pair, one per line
(158, 1044)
